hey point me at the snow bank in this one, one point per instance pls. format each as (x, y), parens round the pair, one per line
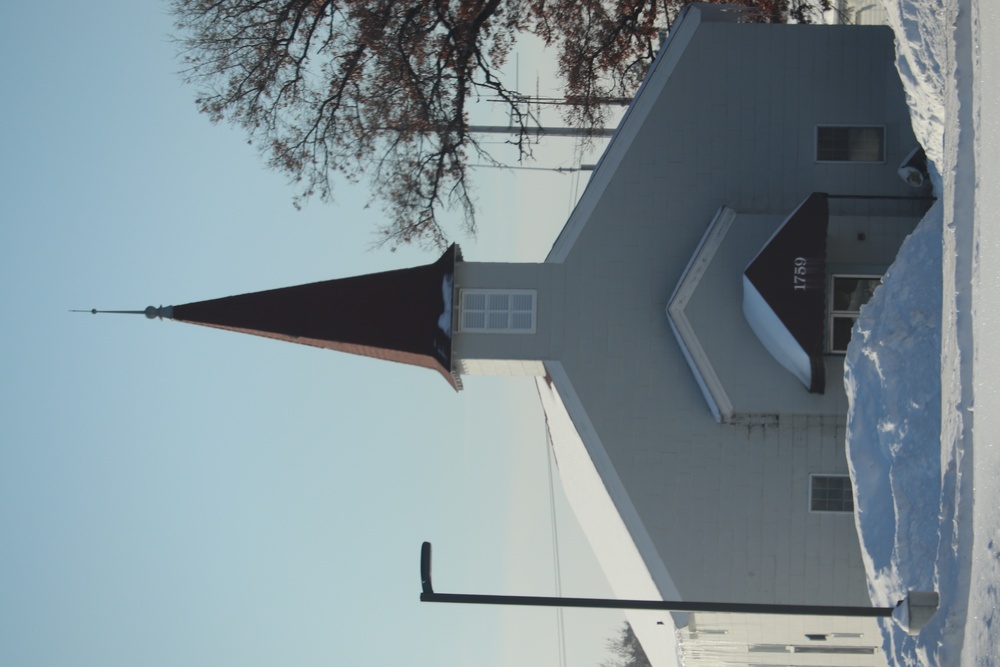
(893, 381)
(911, 440)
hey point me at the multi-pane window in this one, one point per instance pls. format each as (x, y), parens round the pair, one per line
(831, 493)
(847, 295)
(510, 311)
(850, 144)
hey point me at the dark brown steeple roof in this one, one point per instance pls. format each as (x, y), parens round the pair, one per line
(402, 315)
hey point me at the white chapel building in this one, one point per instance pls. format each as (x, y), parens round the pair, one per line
(687, 330)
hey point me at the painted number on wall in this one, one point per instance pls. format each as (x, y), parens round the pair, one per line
(800, 273)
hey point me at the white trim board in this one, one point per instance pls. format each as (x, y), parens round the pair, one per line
(701, 366)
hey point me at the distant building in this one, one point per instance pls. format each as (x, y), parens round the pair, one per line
(687, 329)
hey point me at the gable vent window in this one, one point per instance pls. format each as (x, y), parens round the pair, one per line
(497, 311)
(850, 144)
(831, 493)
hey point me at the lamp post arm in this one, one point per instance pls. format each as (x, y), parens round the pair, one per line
(428, 595)
(658, 605)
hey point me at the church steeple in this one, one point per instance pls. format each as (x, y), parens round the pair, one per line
(403, 315)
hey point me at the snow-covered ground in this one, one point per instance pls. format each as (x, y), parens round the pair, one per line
(923, 367)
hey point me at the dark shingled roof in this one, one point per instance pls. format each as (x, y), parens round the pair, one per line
(393, 315)
(790, 274)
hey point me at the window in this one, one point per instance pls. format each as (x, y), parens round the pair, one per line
(841, 650)
(510, 311)
(831, 493)
(847, 295)
(767, 648)
(850, 144)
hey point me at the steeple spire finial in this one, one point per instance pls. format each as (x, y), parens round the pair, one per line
(402, 315)
(151, 312)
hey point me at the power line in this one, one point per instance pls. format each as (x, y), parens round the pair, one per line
(560, 620)
(561, 170)
(539, 131)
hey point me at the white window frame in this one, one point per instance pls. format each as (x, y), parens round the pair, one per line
(813, 477)
(833, 315)
(882, 133)
(489, 325)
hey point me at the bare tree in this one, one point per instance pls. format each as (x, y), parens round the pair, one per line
(626, 650)
(379, 89)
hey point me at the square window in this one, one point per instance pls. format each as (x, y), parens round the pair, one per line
(831, 493)
(850, 144)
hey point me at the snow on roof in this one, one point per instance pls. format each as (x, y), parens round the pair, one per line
(611, 523)
(774, 335)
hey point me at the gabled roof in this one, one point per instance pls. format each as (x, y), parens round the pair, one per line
(593, 488)
(402, 315)
(683, 29)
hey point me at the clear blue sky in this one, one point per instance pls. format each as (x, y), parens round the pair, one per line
(174, 495)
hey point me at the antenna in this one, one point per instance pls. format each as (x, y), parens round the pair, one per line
(94, 311)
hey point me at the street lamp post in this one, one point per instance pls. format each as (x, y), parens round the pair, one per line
(918, 606)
